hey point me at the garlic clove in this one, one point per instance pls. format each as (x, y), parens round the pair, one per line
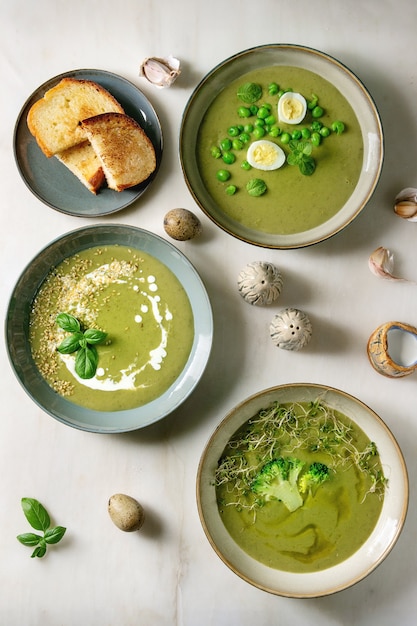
(406, 204)
(381, 263)
(160, 72)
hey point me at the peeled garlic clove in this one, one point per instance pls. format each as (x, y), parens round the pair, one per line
(406, 204)
(160, 72)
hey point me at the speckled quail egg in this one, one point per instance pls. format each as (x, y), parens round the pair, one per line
(292, 108)
(291, 329)
(126, 512)
(265, 155)
(182, 224)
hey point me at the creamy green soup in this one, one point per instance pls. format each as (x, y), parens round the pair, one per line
(335, 517)
(293, 202)
(142, 307)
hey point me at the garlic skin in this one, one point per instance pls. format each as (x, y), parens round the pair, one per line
(161, 72)
(381, 263)
(406, 204)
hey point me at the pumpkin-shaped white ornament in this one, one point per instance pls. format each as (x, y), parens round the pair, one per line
(260, 283)
(291, 329)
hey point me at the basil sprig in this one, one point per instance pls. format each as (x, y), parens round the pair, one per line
(39, 519)
(81, 342)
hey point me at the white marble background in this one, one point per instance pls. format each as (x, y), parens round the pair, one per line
(168, 574)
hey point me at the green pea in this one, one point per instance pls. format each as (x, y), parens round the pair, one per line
(248, 128)
(263, 112)
(259, 132)
(223, 175)
(228, 157)
(285, 138)
(244, 112)
(233, 131)
(246, 165)
(313, 102)
(231, 190)
(338, 127)
(244, 138)
(305, 133)
(240, 128)
(237, 144)
(316, 125)
(324, 131)
(275, 131)
(315, 138)
(270, 120)
(317, 112)
(296, 134)
(273, 89)
(254, 109)
(226, 144)
(216, 152)
(259, 122)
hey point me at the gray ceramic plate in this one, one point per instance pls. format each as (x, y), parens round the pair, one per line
(53, 183)
(17, 328)
(285, 55)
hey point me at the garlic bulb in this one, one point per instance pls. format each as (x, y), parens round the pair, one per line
(406, 204)
(160, 72)
(259, 283)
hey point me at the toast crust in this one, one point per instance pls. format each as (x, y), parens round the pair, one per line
(126, 153)
(54, 120)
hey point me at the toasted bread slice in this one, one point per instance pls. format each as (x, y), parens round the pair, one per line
(125, 151)
(54, 119)
(83, 162)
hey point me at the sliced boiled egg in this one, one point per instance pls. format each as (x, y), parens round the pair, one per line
(292, 108)
(265, 155)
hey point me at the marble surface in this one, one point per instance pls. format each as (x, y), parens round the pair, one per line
(168, 574)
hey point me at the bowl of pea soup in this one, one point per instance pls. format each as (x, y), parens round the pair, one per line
(281, 146)
(109, 328)
(302, 490)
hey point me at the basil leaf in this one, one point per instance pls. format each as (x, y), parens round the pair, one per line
(93, 335)
(86, 362)
(307, 166)
(70, 344)
(293, 158)
(36, 514)
(39, 552)
(29, 539)
(68, 322)
(53, 535)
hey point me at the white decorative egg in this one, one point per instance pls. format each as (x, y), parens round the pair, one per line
(291, 329)
(260, 283)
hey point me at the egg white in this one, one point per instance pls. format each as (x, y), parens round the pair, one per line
(265, 155)
(286, 105)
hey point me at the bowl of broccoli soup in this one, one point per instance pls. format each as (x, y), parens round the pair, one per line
(281, 146)
(302, 490)
(109, 328)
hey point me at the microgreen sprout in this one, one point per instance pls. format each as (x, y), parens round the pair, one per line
(81, 342)
(39, 519)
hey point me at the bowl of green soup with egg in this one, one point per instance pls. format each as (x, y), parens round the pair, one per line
(109, 328)
(302, 490)
(281, 146)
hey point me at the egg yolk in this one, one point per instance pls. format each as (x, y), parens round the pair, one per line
(264, 155)
(292, 108)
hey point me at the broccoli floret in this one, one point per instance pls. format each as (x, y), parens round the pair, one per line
(317, 474)
(277, 480)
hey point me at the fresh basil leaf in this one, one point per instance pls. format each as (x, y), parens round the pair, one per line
(53, 535)
(70, 344)
(68, 322)
(86, 362)
(39, 551)
(293, 158)
(29, 539)
(36, 514)
(93, 335)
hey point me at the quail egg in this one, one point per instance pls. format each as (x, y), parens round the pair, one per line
(126, 512)
(292, 108)
(265, 155)
(182, 224)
